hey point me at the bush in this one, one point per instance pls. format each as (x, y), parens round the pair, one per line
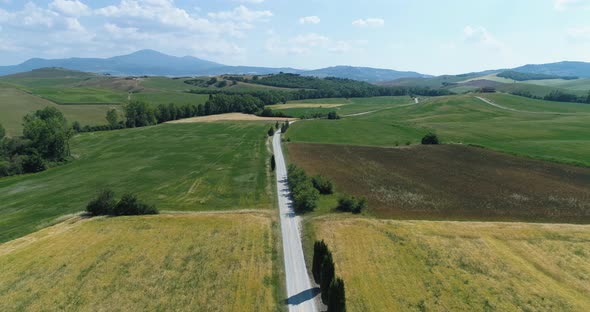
(129, 205)
(103, 204)
(323, 184)
(430, 138)
(348, 203)
(333, 115)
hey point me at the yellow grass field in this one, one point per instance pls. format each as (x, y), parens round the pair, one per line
(303, 105)
(186, 262)
(459, 266)
(229, 117)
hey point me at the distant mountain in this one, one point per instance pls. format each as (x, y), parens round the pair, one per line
(153, 63)
(144, 62)
(363, 73)
(579, 69)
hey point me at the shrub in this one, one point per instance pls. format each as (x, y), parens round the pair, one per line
(430, 138)
(103, 204)
(129, 205)
(333, 115)
(348, 203)
(323, 184)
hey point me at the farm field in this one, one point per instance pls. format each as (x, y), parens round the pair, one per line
(186, 262)
(167, 97)
(464, 119)
(199, 166)
(15, 104)
(451, 182)
(341, 106)
(458, 266)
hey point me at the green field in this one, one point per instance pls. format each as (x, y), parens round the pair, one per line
(465, 119)
(167, 97)
(458, 266)
(348, 106)
(197, 166)
(192, 262)
(15, 104)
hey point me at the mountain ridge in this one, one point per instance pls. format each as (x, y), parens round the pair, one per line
(154, 63)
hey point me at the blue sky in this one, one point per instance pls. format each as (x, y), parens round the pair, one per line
(429, 36)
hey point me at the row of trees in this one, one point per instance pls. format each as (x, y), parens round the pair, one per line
(105, 204)
(519, 76)
(555, 96)
(305, 190)
(45, 140)
(324, 273)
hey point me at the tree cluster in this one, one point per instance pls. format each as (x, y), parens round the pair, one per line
(333, 115)
(105, 204)
(45, 141)
(324, 274)
(349, 203)
(304, 194)
(519, 76)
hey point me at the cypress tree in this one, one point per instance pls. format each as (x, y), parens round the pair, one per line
(336, 296)
(319, 252)
(326, 276)
(273, 164)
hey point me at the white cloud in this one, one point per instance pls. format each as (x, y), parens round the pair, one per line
(69, 7)
(480, 35)
(562, 5)
(241, 14)
(345, 46)
(369, 22)
(251, 1)
(309, 20)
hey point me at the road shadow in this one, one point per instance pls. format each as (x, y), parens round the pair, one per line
(303, 296)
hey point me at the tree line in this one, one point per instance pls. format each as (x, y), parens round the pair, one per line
(555, 96)
(324, 274)
(519, 76)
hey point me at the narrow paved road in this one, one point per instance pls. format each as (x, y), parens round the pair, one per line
(300, 293)
(490, 102)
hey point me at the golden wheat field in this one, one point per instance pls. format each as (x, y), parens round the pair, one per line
(197, 262)
(459, 266)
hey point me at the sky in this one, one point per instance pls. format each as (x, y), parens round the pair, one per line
(428, 36)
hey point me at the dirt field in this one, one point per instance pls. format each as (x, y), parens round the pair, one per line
(187, 262)
(452, 182)
(229, 117)
(459, 266)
